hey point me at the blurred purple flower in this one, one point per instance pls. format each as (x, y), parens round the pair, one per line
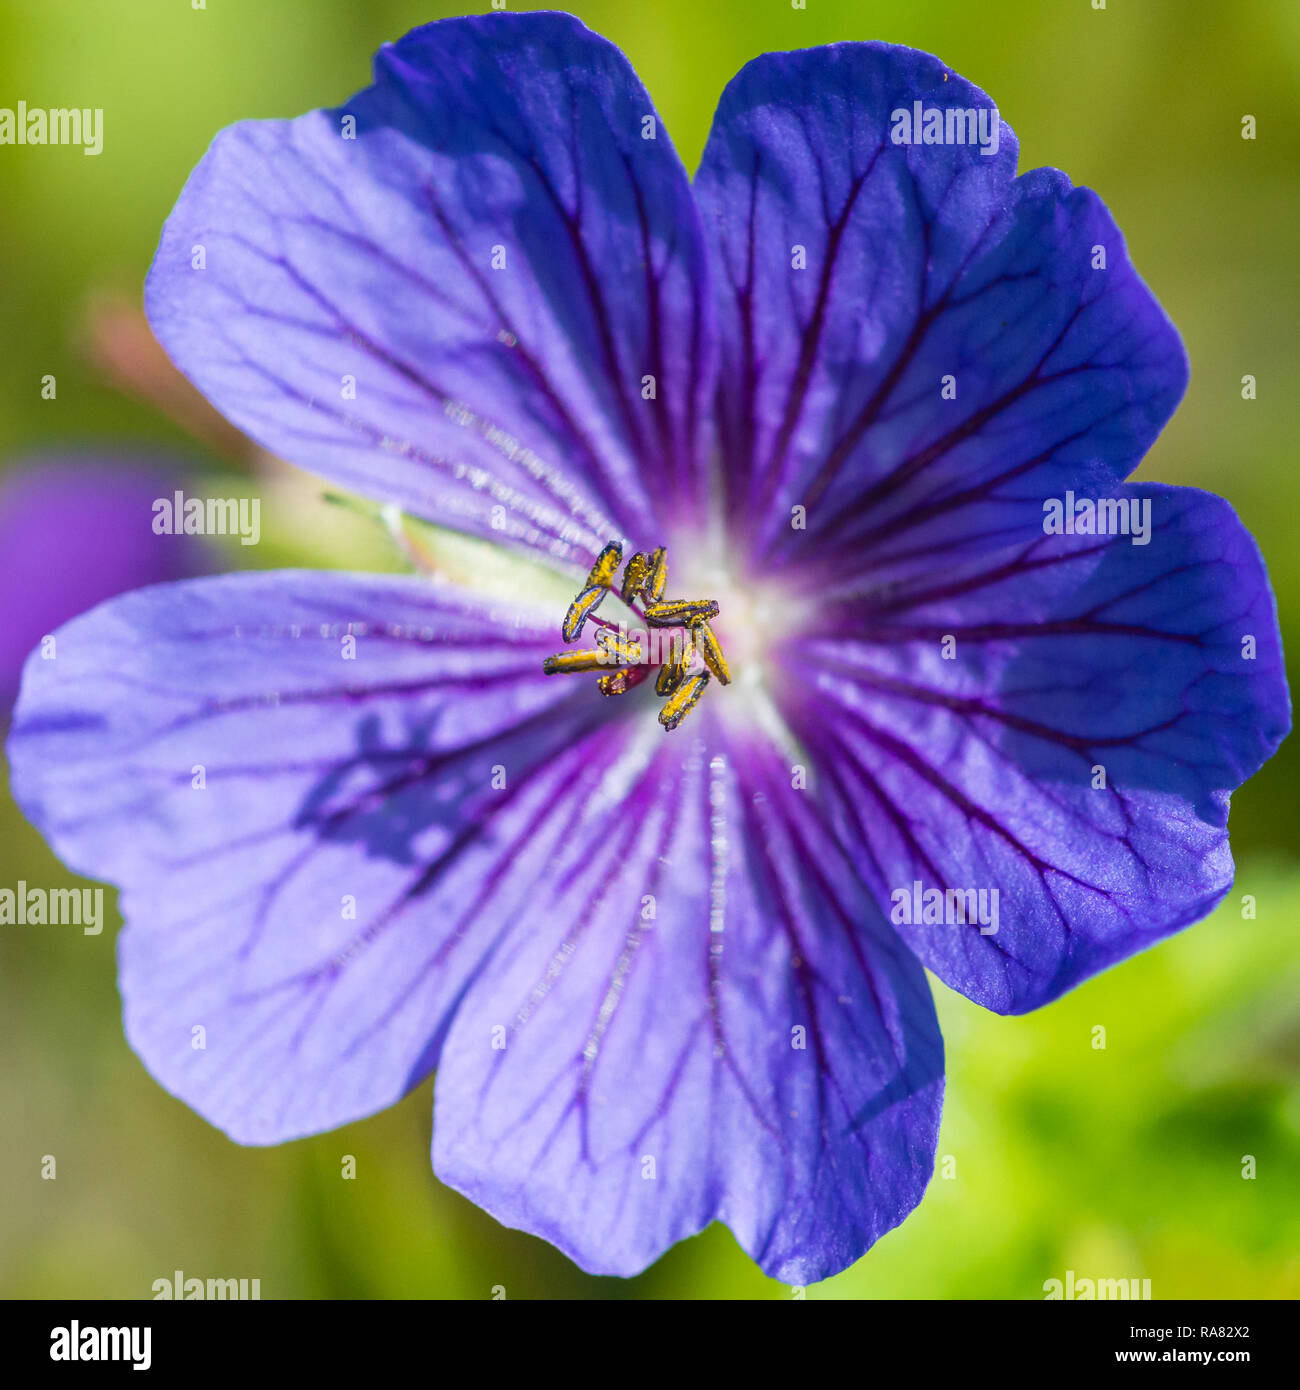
(73, 532)
(666, 978)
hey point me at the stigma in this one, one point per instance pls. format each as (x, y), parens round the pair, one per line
(674, 640)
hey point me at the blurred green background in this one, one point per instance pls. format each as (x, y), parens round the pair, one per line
(1123, 1162)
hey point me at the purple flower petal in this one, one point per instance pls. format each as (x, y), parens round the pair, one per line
(450, 292)
(923, 263)
(74, 531)
(317, 906)
(1077, 751)
(704, 1017)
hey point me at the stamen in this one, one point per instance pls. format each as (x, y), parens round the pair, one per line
(680, 612)
(634, 576)
(624, 649)
(563, 663)
(678, 682)
(673, 671)
(580, 610)
(709, 648)
(657, 576)
(606, 566)
(683, 700)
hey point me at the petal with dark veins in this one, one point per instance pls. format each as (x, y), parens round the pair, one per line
(705, 1018)
(1074, 751)
(315, 850)
(448, 292)
(917, 347)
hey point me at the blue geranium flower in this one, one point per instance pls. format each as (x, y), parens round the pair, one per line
(876, 397)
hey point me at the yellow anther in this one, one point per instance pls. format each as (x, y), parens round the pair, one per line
(680, 612)
(673, 671)
(657, 575)
(683, 700)
(623, 649)
(706, 643)
(668, 679)
(565, 662)
(607, 563)
(634, 576)
(580, 610)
